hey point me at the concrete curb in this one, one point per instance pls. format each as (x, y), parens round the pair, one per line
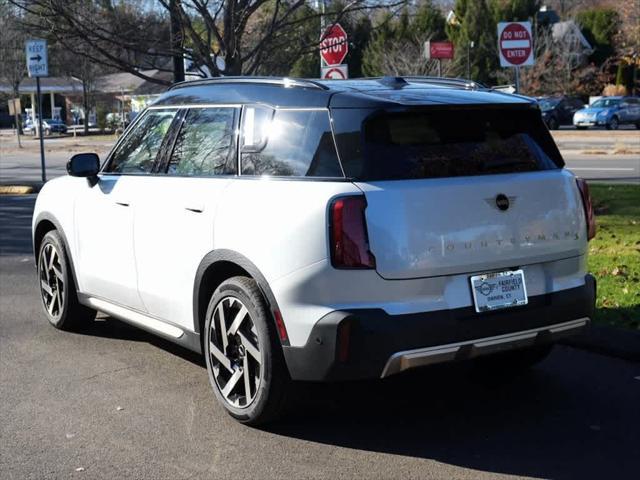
(610, 341)
(22, 188)
(15, 189)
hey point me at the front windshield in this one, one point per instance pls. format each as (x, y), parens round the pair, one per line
(548, 103)
(605, 102)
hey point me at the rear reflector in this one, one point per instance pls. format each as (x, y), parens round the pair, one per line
(344, 338)
(282, 330)
(349, 241)
(588, 207)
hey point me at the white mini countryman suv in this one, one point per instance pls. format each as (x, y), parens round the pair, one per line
(323, 231)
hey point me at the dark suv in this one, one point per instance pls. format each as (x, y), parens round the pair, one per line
(557, 111)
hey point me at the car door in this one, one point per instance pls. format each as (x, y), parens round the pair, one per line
(623, 111)
(104, 213)
(633, 110)
(177, 210)
(564, 112)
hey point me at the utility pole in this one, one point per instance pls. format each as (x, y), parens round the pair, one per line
(469, 47)
(176, 38)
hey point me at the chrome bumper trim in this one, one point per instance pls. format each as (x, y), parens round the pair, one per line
(401, 361)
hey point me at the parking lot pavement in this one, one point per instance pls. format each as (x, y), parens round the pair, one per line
(114, 402)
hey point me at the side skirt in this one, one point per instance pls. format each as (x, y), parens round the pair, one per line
(168, 331)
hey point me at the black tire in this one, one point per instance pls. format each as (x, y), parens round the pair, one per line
(513, 363)
(60, 296)
(552, 123)
(613, 124)
(638, 125)
(270, 393)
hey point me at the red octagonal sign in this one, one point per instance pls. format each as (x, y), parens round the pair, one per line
(515, 42)
(334, 46)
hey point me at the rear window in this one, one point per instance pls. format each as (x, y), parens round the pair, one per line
(434, 143)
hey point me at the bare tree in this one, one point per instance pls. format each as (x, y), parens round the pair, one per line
(561, 68)
(131, 37)
(79, 67)
(13, 65)
(407, 58)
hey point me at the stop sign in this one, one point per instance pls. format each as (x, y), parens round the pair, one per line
(515, 44)
(333, 45)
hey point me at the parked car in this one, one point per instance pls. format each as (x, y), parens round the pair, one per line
(322, 231)
(49, 126)
(610, 112)
(557, 111)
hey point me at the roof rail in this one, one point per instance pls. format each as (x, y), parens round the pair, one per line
(282, 81)
(458, 82)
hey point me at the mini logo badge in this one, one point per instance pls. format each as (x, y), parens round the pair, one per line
(485, 288)
(502, 201)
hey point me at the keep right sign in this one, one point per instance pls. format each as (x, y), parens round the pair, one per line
(515, 44)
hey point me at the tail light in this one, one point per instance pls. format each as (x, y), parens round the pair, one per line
(588, 207)
(349, 241)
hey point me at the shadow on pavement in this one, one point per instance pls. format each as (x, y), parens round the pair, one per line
(544, 424)
(565, 419)
(15, 224)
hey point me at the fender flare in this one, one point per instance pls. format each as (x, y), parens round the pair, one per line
(231, 256)
(45, 216)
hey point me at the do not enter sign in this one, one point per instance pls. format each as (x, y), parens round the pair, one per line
(515, 44)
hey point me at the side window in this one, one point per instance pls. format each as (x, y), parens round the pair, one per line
(293, 143)
(138, 150)
(204, 144)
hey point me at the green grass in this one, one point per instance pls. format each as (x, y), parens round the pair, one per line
(614, 255)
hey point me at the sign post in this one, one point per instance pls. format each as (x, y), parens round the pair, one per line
(38, 66)
(515, 44)
(334, 47)
(15, 109)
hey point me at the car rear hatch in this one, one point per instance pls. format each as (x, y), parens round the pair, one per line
(460, 190)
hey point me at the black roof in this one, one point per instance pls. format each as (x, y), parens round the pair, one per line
(363, 92)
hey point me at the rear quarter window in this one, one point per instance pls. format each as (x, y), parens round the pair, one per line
(436, 143)
(292, 143)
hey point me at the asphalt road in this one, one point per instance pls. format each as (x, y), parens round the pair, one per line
(116, 402)
(594, 154)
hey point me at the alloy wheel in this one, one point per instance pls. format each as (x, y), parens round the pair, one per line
(234, 352)
(52, 282)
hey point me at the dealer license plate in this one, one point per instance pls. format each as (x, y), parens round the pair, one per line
(493, 291)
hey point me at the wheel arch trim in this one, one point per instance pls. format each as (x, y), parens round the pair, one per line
(233, 257)
(48, 217)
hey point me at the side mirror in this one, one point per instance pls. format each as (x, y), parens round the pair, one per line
(84, 165)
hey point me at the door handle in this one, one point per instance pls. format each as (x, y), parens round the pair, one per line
(122, 203)
(194, 208)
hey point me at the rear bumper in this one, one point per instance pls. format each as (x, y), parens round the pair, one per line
(369, 343)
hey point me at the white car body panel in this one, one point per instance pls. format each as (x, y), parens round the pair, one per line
(103, 228)
(174, 231)
(445, 226)
(293, 255)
